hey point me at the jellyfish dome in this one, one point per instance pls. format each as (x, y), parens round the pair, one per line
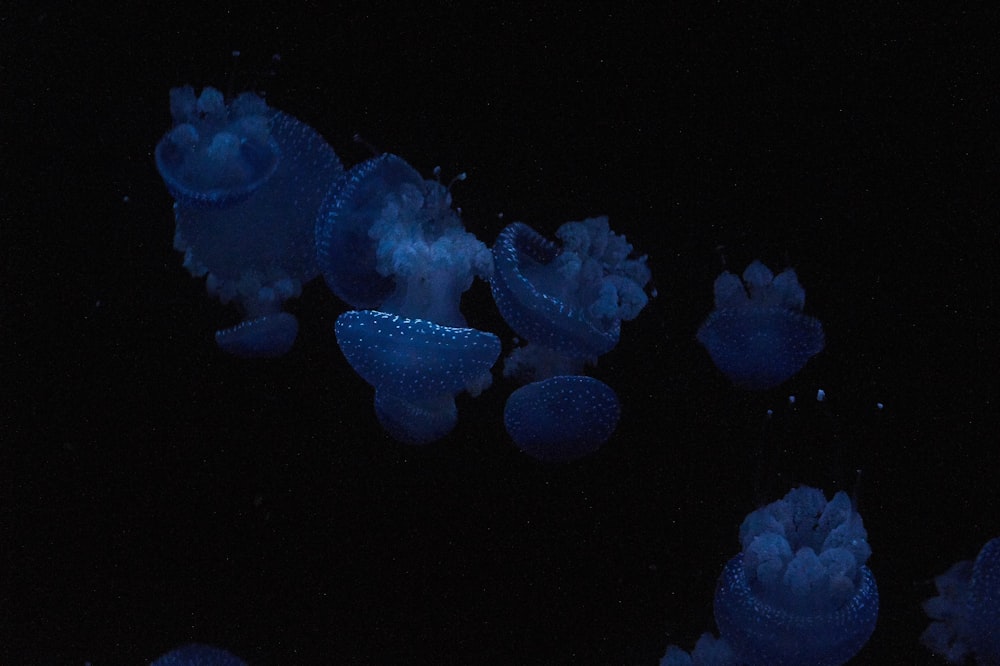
(388, 239)
(757, 335)
(800, 591)
(248, 181)
(966, 612)
(562, 418)
(567, 301)
(417, 368)
(389, 242)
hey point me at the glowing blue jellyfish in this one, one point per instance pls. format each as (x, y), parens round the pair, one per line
(567, 301)
(195, 654)
(708, 651)
(966, 612)
(388, 239)
(757, 335)
(417, 367)
(800, 592)
(562, 418)
(248, 181)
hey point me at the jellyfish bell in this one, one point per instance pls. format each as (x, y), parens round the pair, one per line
(248, 181)
(757, 335)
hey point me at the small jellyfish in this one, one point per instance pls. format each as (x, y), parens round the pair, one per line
(966, 612)
(562, 418)
(757, 335)
(248, 181)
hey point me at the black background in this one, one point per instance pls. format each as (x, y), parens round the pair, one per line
(157, 492)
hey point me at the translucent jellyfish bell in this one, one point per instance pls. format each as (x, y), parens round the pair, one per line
(248, 181)
(757, 335)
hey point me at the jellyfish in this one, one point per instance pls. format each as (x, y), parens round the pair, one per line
(389, 243)
(562, 418)
(567, 301)
(757, 335)
(708, 651)
(387, 239)
(248, 181)
(195, 654)
(417, 368)
(966, 612)
(799, 592)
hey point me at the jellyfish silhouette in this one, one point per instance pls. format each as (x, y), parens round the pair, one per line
(562, 418)
(567, 301)
(195, 654)
(248, 181)
(388, 239)
(799, 592)
(966, 612)
(757, 335)
(417, 368)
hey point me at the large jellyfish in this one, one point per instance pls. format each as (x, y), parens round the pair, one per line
(248, 181)
(388, 239)
(966, 612)
(798, 593)
(757, 335)
(567, 301)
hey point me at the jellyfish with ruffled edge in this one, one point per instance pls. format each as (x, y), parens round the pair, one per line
(389, 240)
(195, 654)
(389, 243)
(248, 181)
(757, 335)
(966, 612)
(567, 301)
(800, 591)
(417, 368)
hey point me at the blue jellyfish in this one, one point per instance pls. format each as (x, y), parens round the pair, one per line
(389, 243)
(562, 418)
(195, 654)
(708, 651)
(387, 239)
(417, 368)
(757, 335)
(567, 301)
(248, 181)
(966, 612)
(799, 592)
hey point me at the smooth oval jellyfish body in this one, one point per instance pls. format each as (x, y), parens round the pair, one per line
(562, 418)
(248, 181)
(757, 335)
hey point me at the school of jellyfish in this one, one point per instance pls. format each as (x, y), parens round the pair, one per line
(263, 205)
